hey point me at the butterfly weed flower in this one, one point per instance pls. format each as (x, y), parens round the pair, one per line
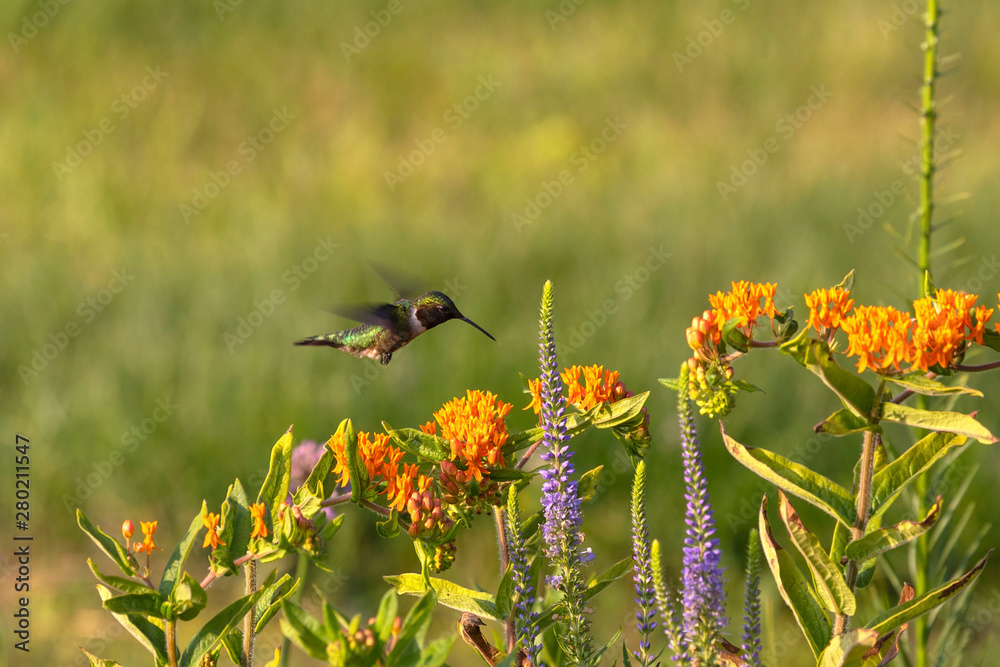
(702, 593)
(148, 530)
(210, 520)
(525, 617)
(751, 602)
(560, 499)
(642, 568)
(828, 308)
(257, 511)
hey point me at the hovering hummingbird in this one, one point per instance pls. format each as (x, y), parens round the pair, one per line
(387, 327)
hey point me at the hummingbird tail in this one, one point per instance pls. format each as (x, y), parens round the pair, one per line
(320, 340)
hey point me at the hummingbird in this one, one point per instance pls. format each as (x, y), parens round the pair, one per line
(389, 326)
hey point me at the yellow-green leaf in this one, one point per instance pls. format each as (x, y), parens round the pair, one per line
(827, 577)
(449, 594)
(919, 383)
(890, 481)
(795, 479)
(949, 422)
(848, 648)
(794, 589)
(885, 539)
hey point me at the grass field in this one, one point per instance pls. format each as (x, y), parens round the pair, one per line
(188, 186)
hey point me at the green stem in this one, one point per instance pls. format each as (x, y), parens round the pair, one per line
(928, 120)
(301, 572)
(248, 635)
(504, 564)
(864, 499)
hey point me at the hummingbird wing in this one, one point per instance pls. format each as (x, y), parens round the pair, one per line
(402, 285)
(378, 314)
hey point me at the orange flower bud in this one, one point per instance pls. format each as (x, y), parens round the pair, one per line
(128, 529)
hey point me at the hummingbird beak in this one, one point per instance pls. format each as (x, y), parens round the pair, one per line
(466, 319)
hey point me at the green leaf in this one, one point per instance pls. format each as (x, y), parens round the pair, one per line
(425, 446)
(890, 481)
(356, 469)
(586, 488)
(794, 589)
(145, 604)
(733, 336)
(275, 488)
(848, 648)
(918, 606)
(919, 383)
(857, 395)
(600, 582)
(949, 422)
(449, 594)
(796, 479)
(436, 652)
(387, 610)
(272, 595)
(187, 598)
(321, 481)
(98, 662)
(826, 575)
(305, 631)
(414, 629)
(845, 422)
(510, 475)
(175, 564)
(885, 539)
(146, 633)
(107, 544)
(236, 526)
(390, 527)
(233, 643)
(621, 411)
(120, 583)
(505, 593)
(212, 632)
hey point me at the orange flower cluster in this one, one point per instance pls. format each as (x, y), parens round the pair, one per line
(746, 302)
(598, 387)
(942, 327)
(381, 460)
(828, 308)
(475, 427)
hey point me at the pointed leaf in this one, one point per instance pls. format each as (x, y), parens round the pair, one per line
(275, 488)
(320, 483)
(948, 422)
(848, 648)
(436, 652)
(387, 610)
(505, 593)
(826, 575)
(120, 583)
(884, 539)
(794, 589)
(145, 604)
(845, 422)
(796, 479)
(175, 564)
(919, 383)
(146, 633)
(272, 595)
(109, 545)
(890, 481)
(586, 488)
(187, 598)
(449, 594)
(621, 411)
(236, 526)
(98, 662)
(918, 606)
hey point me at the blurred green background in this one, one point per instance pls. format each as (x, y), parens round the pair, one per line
(100, 158)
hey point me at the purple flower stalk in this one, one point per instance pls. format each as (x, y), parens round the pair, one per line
(702, 594)
(560, 499)
(642, 569)
(751, 605)
(524, 616)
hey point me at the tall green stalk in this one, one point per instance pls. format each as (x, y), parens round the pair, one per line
(928, 122)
